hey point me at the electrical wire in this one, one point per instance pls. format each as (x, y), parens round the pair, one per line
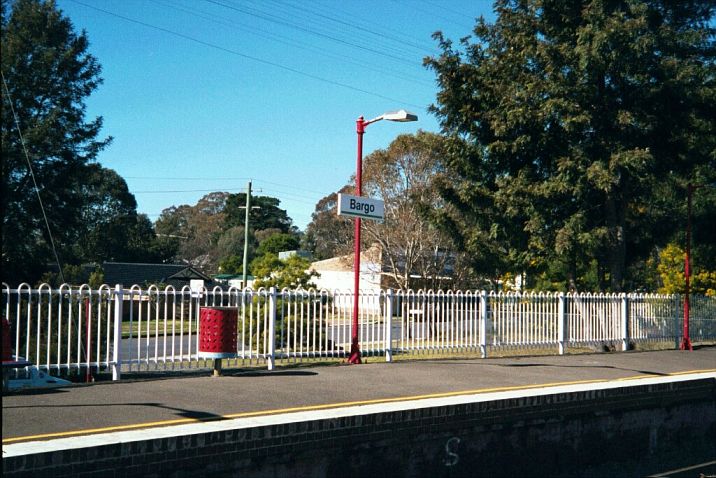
(431, 14)
(249, 57)
(204, 178)
(447, 9)
(352, 16)
(292, 42)
(421, 49)
(32, 175)
(280, 21)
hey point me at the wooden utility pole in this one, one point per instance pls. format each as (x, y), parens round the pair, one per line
(246, 231)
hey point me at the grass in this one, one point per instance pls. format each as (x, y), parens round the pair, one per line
(128, 327)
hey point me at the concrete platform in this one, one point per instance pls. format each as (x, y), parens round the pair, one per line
(454, 396)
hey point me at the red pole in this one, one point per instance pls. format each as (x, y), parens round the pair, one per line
(355, 346)
(686, 340)
(88, 311)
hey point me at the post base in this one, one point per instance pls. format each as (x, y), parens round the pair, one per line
(354, 358)
(686, 344)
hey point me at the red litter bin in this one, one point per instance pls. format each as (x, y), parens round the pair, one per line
(217, 332)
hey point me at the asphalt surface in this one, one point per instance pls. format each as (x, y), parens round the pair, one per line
(144, 403)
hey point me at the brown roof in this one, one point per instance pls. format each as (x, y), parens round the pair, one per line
(345, 263)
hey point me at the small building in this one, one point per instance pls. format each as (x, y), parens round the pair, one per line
(176, 275)
(235, 280)
(336, 273)
(283, 255)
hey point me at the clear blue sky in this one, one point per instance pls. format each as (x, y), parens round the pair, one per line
(203, 95)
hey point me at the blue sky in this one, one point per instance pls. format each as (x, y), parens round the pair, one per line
(203, 95)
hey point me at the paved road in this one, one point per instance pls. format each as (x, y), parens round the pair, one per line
(153, 402)
(339, 334)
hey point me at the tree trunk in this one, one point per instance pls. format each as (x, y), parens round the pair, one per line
(616, 255)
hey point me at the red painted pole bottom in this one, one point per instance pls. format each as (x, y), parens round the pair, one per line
(355, 356)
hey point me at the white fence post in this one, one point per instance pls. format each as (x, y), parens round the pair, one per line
(562, 324)
(271, 357)
(625, 322)
(118, 313)
(483, 323)
(388, 322)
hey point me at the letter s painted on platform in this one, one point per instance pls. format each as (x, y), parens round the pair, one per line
(451, 458)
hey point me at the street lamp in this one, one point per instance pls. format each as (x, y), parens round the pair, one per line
(690, 188)
(399, 116)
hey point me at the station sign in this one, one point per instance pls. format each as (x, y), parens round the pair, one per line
(363, 207)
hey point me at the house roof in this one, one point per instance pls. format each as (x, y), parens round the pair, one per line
(233, 276)
(129, 273)
(345, 263)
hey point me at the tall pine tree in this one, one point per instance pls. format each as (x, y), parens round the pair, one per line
(49, 74)
(574, 128)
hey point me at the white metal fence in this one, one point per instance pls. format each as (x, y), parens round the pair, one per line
(116, 329)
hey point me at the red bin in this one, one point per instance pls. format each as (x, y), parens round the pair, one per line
(217, 332)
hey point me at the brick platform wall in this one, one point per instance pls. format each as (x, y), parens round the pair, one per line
(629, 431)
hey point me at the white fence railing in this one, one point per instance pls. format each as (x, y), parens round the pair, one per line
(117, 329)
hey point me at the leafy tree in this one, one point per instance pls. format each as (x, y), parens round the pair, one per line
(195, 230)
(291, 273)
(402, 176)
(671, 273)
(231, 241)
(278, 243)
(113, 231)
(232, 264)
(48, 73)
(414, 252)
(265, 213)
(211, 233)
(573, 128)
(329, 235)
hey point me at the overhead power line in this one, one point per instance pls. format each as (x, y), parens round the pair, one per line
(249, 57)
(432, 14)
(448, 9)
(295, 26)
(353, 25)
(294, 43)
(206, 178)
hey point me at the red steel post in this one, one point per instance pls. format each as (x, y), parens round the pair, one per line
(686, 340)
(355, 346)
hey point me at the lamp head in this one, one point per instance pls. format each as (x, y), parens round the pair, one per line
(400, 116)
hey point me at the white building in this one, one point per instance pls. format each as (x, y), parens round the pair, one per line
(337, 272)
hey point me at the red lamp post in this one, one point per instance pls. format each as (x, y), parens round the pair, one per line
(686, 340)
(690, 188)
(361, 124)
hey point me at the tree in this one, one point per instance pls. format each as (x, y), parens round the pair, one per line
(275, 242)
(265, 213)
(196, 230)
(329, 235)
(48, 73)
(573, 129)
(278, 243)
(414, 252)
(671, 273)
(291, 273)
(211, 233)
(111, 228)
